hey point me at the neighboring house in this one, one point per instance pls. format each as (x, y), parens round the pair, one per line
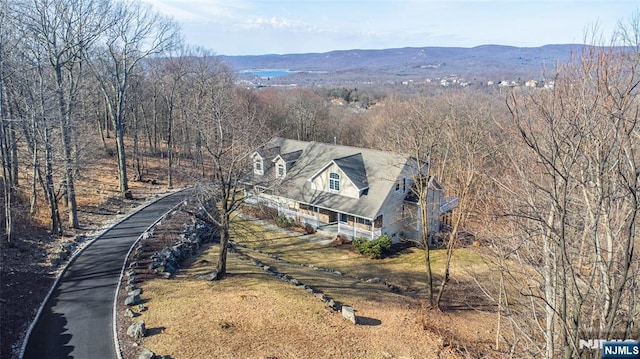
(353, 191)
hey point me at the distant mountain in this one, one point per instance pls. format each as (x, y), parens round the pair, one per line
(493, 62)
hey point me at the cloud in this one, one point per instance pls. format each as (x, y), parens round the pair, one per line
(201, 10)
(275, 23)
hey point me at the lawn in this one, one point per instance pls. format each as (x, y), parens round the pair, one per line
(251, 314)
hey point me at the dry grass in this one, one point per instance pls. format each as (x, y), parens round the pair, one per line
(251, 314)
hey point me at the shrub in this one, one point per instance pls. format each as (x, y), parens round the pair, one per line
(284, 221)
(373, 248)
(309, 229)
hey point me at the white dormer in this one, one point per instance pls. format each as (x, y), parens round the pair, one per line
(258, 164)
(284, 162)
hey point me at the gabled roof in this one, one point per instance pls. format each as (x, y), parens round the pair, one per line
(377, 170)
(289, 157)
(353, 167)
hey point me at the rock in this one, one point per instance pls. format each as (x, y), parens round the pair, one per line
(374, 280)
(130, 273)
(266, 268)
(135, 292)
(321, 297)
(294, 281)
(131, 280)
(130, 287)
(337, 272)
(132, 300)
(146, 354)
(137, 330)
(140, 308)
(331, 304)
(349, 314)
(129, 313)
(393, 288)
(213, 275)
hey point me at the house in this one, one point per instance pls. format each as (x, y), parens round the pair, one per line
(356, 192)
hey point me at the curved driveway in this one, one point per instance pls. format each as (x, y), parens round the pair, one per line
(77, 319)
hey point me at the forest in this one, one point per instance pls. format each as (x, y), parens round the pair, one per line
(547, 178)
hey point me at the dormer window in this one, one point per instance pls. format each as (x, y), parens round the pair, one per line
(280, 170)
(334, 182)
(257, 166)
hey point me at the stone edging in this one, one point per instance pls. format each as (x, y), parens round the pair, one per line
(77, 252)
(116, 341)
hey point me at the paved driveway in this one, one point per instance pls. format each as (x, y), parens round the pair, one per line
(77, 320)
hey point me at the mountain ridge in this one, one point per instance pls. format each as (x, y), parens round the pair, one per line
(483, 62)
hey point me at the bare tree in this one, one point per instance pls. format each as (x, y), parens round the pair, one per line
(231, 131)
(468, 143)
(64, 30)
(135, 32)
(576, 202)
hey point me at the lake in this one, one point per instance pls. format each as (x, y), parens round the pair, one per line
(268, 73)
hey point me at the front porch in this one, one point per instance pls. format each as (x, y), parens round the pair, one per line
(335, 223)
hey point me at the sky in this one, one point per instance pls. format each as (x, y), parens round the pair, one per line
(257, 27)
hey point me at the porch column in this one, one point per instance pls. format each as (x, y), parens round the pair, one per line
(355, 233)
(371, 229)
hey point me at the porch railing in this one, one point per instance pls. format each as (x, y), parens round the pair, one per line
(303, 218)
(356, 232)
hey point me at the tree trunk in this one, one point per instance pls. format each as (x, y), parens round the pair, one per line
(65, 128)
(123, 184)
(221, 267)
(426, 241)
(56, 225)
(6, 180)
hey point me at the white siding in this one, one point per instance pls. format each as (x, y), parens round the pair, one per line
(347, 189)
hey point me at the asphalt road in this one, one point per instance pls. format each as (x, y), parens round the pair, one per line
(77, 320)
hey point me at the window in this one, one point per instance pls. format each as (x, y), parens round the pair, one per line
(279, 170)
(404, 185)
(397, 186)
(334, 182)
(363, 221)
(257, 166)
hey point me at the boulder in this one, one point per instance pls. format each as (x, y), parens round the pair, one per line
(213, 275)
(132, 300)
(349, 314)
(135, 292)
(137, 330)
(129, 313)
(146, 354)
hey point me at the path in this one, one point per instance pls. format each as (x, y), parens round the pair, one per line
(77, 320)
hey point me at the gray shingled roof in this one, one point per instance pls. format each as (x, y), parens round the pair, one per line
(291, 156)
(377, 170)
(353, 167)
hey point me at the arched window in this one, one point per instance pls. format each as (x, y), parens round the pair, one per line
(334, 182)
